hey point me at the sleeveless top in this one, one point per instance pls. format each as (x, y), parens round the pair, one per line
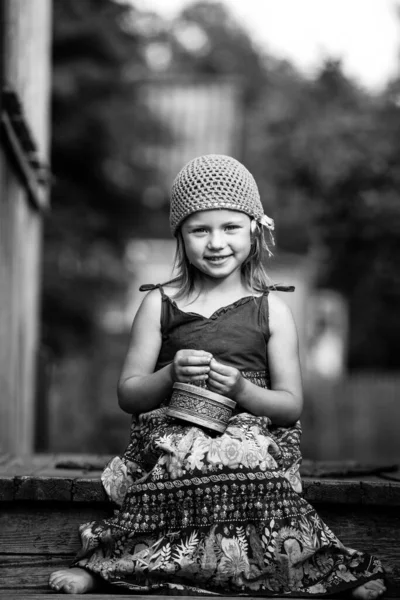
(236, 335)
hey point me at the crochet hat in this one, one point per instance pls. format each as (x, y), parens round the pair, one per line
(215, 181)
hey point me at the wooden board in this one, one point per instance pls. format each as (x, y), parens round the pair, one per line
(44, 530)
(12, 595)
(26, 63)
(23, 572)
(43, 501)
(76, 478)
(31, 538)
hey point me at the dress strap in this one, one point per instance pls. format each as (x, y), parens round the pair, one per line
(147, 287)
(281, 288)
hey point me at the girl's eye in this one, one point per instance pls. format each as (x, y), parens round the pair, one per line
(232, 227)
(199, 230)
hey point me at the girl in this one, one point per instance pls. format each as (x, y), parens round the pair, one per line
(203, 513)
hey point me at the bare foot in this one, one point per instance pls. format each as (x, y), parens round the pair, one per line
(370, 590)
(73, 581)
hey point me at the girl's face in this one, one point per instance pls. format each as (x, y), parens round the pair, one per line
(217, 242)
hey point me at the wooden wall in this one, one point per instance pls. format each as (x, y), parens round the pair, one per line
(25, 73)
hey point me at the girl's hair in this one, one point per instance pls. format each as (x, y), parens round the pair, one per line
(253, 270)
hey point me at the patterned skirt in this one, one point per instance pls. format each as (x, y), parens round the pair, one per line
(209, 514)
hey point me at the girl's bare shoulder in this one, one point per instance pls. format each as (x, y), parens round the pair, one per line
(280, 314)
(171, 289)
(150, 306)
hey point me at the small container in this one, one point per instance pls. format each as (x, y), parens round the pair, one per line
(200, 406)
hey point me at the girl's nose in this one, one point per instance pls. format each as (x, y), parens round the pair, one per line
(216, 240)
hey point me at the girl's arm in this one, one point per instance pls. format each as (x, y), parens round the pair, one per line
(284, 402)
(140, 389)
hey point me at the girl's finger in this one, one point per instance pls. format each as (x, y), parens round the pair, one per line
(194, 370)
(197, 360)
(199, 377)
(219, 367)
(200, 353)
(215, 387)
(214, 376)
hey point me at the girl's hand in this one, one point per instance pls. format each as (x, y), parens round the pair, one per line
(190, 366)
(224, 380)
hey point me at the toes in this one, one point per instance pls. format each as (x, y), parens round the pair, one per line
(371, 590)
(70, 588)
(54, 582)
(57, 584)
(55, 575)
(72, 581)
(370, 593)
(58, 581)
(376, 585)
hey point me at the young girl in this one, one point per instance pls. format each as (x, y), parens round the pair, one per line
(200, 512)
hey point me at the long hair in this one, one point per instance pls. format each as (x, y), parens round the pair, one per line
(252, 270)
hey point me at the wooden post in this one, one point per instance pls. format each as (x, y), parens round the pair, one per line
(25, 116)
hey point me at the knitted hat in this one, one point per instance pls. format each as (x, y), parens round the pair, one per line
(215, 181)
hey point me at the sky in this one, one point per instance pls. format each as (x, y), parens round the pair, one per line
(364, 34)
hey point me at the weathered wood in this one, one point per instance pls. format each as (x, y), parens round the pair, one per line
(111, 596)
(40, 514)
(335, 469)
(76, 478)
(52, 530)
(6, 488)
(23, 572)
(354, 491)
(35, 190)
(78, 465)
(27, 465)
(34, 594)
(89, 489)
(26, 29)
(43, 488)
(375, 531)
(45, 529)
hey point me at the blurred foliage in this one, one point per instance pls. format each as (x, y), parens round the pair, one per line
(329, 155)
(323, 151)
(99, 125)
(223, 47)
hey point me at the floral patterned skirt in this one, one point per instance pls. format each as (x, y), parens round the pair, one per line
(204, 514)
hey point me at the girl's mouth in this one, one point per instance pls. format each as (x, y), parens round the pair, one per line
(217, 259)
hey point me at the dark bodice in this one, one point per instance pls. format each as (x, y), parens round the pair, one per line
(236, 334)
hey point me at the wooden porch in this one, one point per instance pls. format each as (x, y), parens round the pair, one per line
(44, 498)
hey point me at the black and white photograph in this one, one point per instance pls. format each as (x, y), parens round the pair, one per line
(200, 298)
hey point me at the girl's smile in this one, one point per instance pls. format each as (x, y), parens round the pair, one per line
(218, 259)
(217, 242)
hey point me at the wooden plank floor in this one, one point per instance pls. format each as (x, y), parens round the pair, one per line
(25, 596)
(44, 498)
(76, 478)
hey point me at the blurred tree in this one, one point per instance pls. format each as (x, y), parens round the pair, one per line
(330, 151)
(323, 151)
(99, 126)
(349, 168)
(270, 127)
(206, 39)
